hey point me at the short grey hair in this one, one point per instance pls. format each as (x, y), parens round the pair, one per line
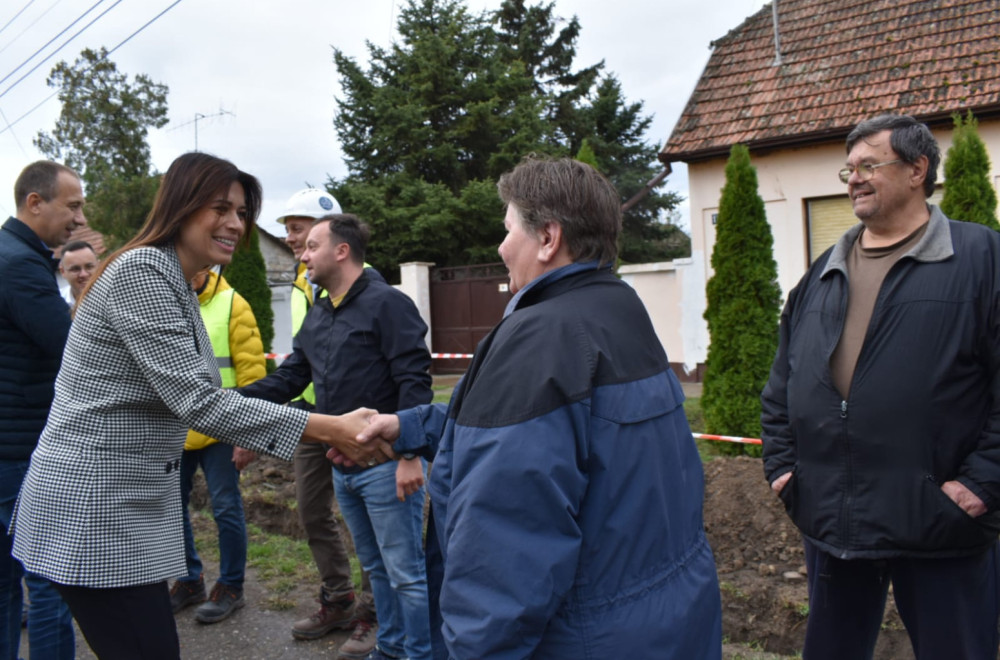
(909, 139)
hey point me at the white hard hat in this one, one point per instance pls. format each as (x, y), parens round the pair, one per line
(310, 203)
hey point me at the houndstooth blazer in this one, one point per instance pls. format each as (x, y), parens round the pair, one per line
(101, 504)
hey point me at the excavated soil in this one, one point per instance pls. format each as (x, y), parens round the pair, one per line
(759, 557)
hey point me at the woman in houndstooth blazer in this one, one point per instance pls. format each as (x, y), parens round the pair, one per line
(100, 510)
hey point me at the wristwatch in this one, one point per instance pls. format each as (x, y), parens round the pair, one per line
(407, 456)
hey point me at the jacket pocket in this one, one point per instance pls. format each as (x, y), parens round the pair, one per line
(948, 527)
(789, 494)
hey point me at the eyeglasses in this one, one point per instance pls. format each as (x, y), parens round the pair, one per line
(865, 170)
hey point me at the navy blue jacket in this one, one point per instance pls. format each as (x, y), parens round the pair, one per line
(923, 407)
(34, 324)
(567, 490)
(369, 351)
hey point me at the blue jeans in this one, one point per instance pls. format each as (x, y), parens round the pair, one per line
(50, 624)
(223, 480)
(389, 542)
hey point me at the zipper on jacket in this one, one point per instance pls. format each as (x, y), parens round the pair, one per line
(849, 471)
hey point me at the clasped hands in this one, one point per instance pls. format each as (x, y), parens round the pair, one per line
(366, 438)
(352, 438)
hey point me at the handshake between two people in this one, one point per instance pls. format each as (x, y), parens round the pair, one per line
(365, 437)
(360, 437)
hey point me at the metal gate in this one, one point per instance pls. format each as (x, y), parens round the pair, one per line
(466, 302)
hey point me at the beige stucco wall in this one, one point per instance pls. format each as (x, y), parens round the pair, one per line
(670, 291)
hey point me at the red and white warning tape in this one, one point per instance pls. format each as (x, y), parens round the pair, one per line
(727, 438)
(436, 356)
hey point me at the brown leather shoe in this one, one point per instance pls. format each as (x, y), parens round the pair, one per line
(329, 617)
(361, 642)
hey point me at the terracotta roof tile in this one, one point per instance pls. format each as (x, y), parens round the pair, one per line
(841, 63)
(85, 233)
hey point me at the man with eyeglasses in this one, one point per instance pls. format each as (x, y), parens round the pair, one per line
(77, 265)
(882, 412)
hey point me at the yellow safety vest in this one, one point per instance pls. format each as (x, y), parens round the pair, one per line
(302, 300)
(215, 314)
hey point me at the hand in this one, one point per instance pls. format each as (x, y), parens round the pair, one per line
(964, 498)
(243, 457)
(779, 484)
(385, 427)
(341, 431)
(409, 477)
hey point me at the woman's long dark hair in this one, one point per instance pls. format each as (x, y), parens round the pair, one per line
(192, 181)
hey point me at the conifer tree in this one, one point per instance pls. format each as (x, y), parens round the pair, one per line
(101, 133)
(460, 98)
(247, 273)
(968, 194)
(743, 306)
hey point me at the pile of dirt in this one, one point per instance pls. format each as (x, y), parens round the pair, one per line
(761, 565)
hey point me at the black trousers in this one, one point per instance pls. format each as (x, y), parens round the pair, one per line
(125, 623)
(950, 607)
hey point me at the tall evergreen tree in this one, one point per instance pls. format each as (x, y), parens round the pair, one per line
(461, 98)
(968, 193)
(247, 273)
(743, 306)
(615, 130)
(101, 133)
(433, 119)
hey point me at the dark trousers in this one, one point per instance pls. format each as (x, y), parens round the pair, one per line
(950, 607)
(125, 623)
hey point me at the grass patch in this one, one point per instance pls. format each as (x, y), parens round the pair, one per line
(282, 563)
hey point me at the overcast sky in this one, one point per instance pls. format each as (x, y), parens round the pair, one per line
(262, 72)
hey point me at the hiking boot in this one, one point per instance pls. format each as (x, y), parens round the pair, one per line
(338, 615)
(186, 592)
(361, 642)
(224, 601)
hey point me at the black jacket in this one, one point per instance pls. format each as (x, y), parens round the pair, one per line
(368, 351)
(923, 409)
(34, 324)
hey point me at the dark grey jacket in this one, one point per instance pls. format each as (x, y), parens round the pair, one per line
(924, 403)
(34, 323)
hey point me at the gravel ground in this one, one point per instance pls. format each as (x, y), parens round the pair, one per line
(252, 633)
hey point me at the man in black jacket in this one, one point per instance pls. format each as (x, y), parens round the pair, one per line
(882, 412)
(362, 344)
(34, 324)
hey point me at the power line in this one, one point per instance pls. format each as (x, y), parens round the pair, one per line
(7, 24)
(30, 25)
(49, 42)
(148, 23)
(10, 125)
(13, 135)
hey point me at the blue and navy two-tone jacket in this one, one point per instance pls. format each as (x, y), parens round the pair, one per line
(566, 490)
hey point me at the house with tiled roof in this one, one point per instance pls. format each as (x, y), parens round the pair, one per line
(791, 81)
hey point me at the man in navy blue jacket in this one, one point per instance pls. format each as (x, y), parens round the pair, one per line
(34, 324)
(881, 416)
(566, 494)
